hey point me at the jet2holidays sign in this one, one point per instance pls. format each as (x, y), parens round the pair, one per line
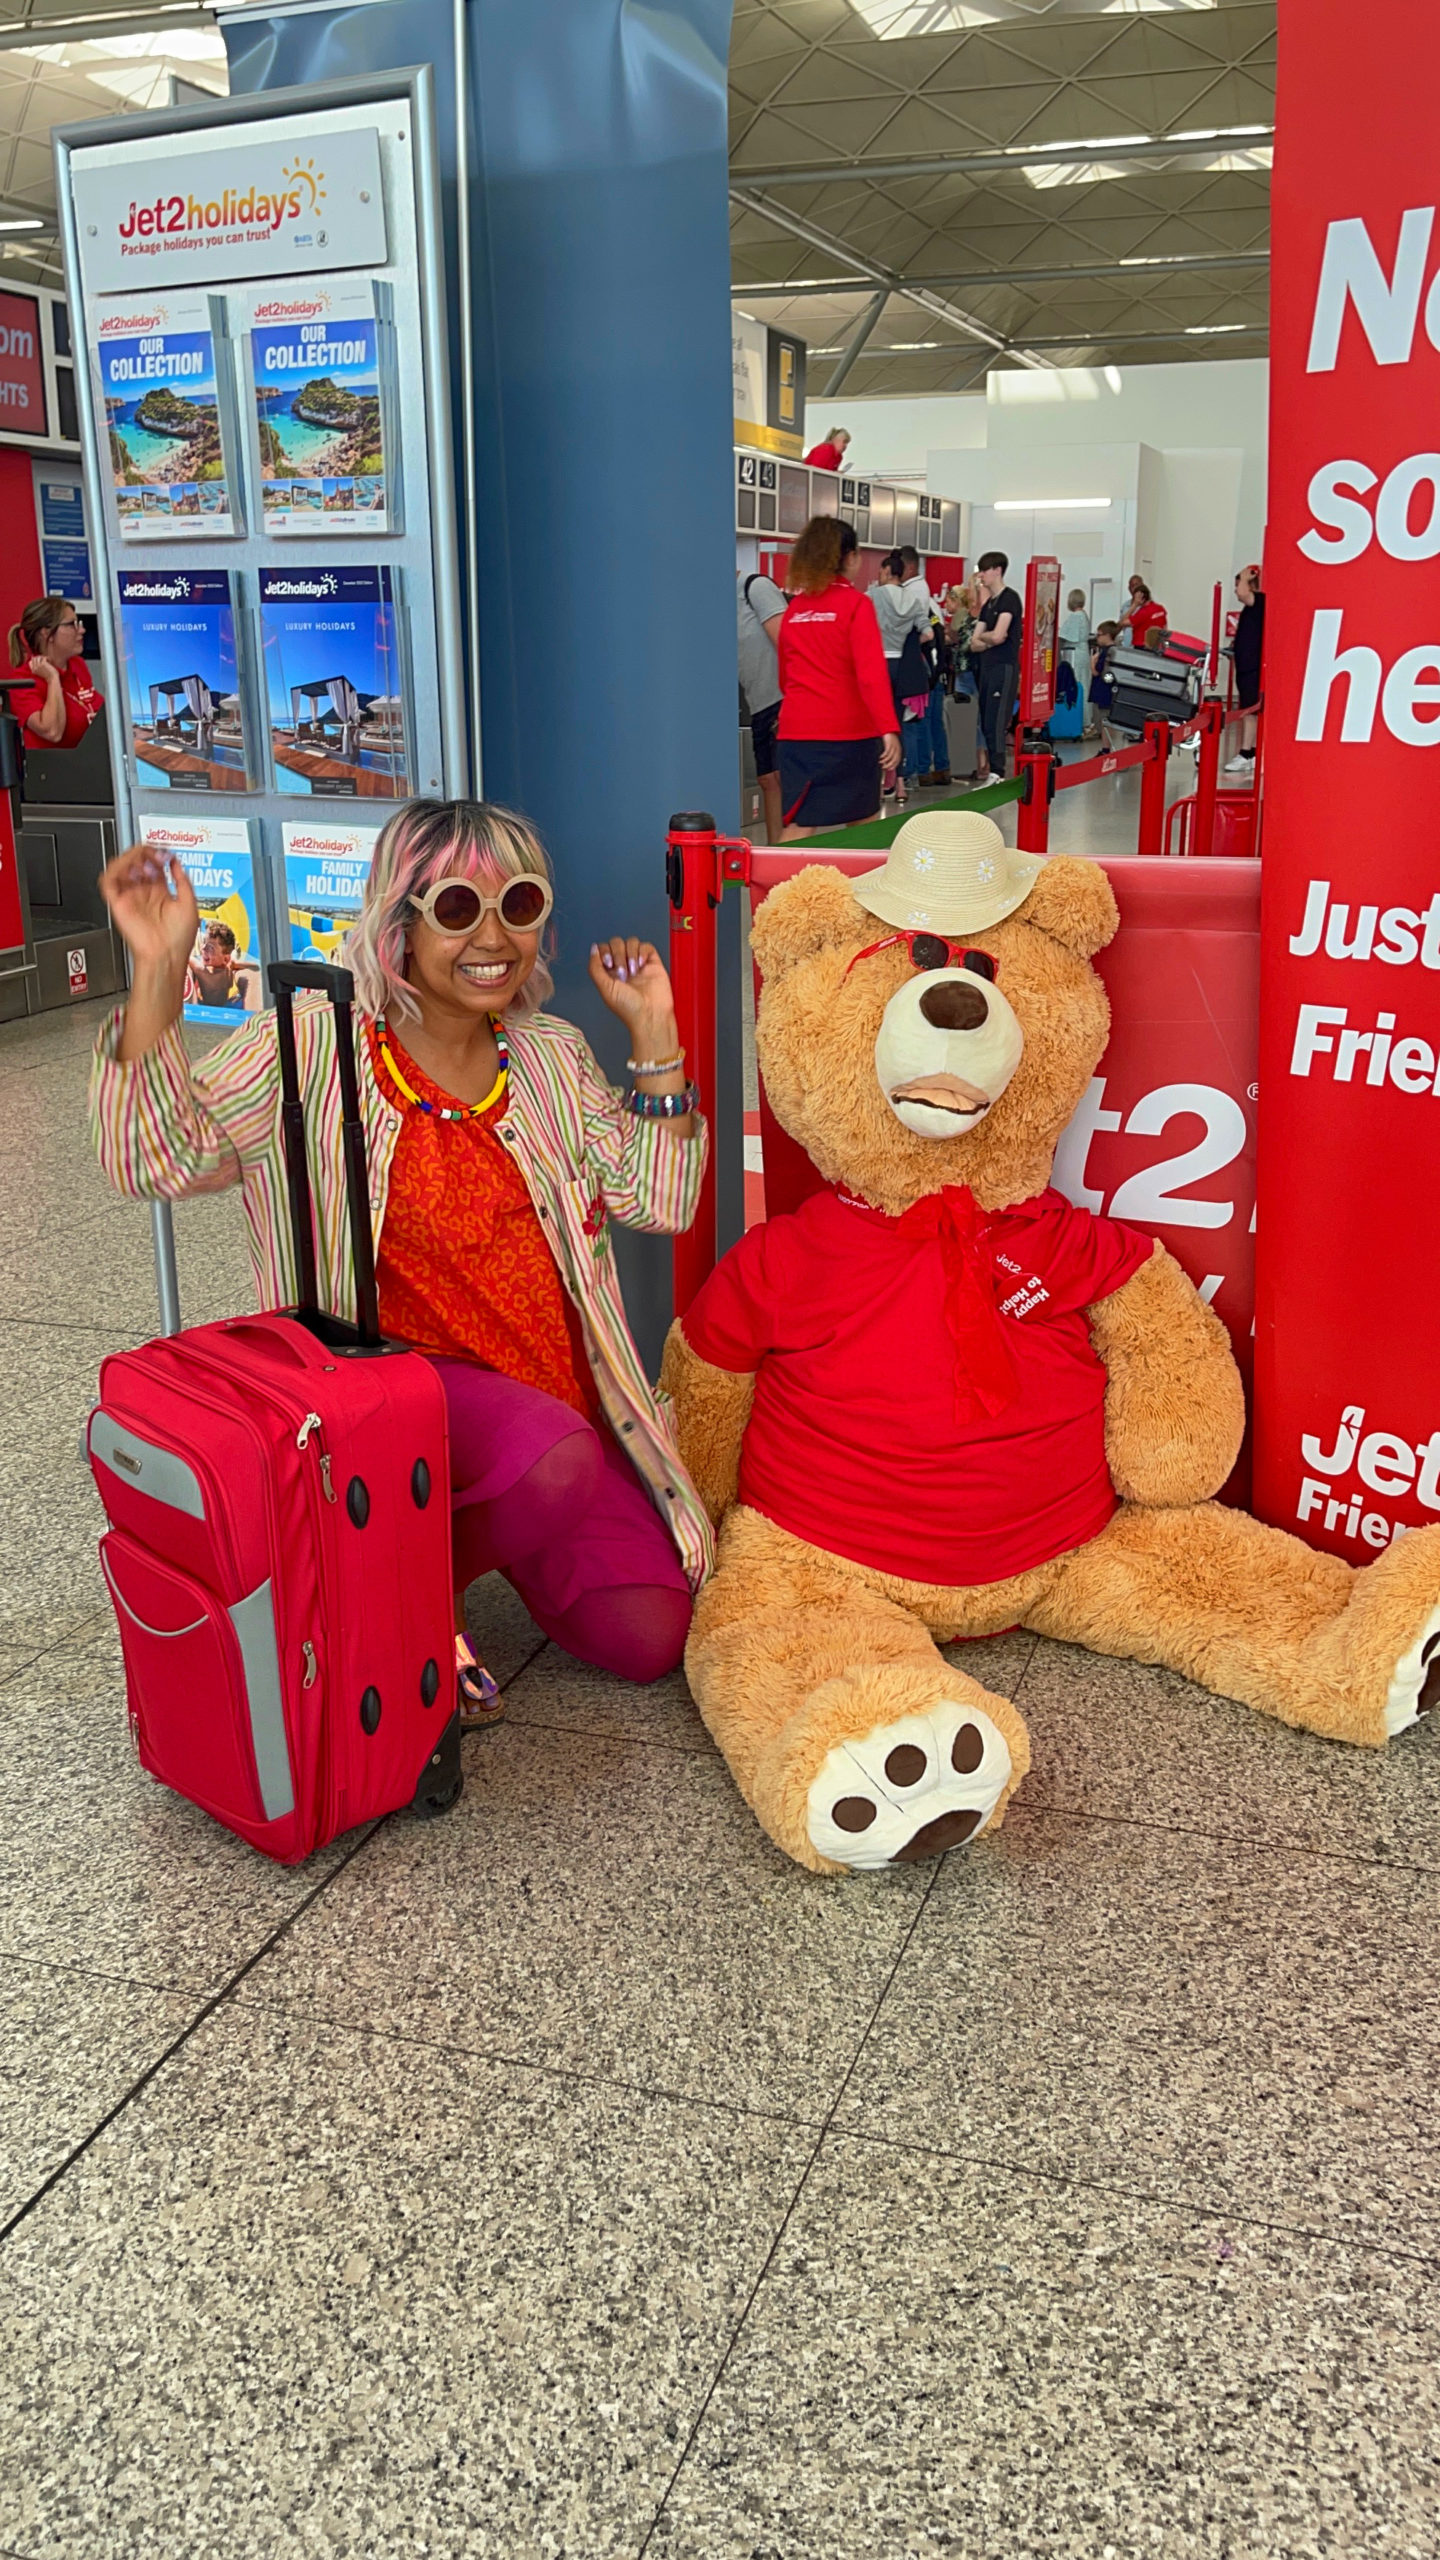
(257, 206)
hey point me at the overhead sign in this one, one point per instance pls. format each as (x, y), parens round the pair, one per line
(768, 379)
(22, 367)
(1347, 1352)
(254, 207)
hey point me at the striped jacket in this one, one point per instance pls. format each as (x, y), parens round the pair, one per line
(165, 1128)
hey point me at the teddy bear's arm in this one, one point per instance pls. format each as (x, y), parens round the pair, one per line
(1174, 1404)
(711, 1408)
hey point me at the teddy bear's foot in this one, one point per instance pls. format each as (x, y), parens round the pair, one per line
(1414, 1689)
(910, 1789)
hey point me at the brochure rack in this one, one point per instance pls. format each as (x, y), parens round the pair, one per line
(314, 214)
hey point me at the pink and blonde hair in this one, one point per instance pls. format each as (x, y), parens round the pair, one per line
(426, 841)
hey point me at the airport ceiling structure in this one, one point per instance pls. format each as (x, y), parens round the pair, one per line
(928, 190)
(922, 189)
(62, 61)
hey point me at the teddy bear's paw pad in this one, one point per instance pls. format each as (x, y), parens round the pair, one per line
(911, 1789)
(1415, 1681)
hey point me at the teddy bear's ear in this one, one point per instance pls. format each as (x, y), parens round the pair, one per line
(1074, 903)
(802, 916)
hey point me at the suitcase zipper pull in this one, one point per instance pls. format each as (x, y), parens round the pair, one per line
(311, 1666)
(313, 1422)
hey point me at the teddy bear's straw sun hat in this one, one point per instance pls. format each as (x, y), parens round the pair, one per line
(949, 871)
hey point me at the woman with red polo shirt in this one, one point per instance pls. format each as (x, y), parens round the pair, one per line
(48, 641)
(837, 730)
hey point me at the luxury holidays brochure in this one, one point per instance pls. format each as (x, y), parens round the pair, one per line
(334, 682)
(165, 384)
(182, 681)
(320, 366)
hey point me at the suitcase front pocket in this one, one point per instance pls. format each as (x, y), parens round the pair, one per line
(204, 1686)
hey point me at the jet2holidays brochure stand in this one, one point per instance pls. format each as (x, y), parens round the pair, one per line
(258, 306)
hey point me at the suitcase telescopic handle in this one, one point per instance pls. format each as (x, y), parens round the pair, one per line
(286, 978)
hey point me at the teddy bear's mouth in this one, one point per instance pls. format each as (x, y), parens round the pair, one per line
(943, 1093)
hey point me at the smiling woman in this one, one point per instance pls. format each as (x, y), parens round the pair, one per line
(499, 1156)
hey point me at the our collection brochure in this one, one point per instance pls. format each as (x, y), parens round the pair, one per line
(183, 690)
(168, 414)
(224, 981)
(319, 366)
(325, 874)
(334, 682)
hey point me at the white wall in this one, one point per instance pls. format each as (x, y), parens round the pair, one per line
(1179, 449)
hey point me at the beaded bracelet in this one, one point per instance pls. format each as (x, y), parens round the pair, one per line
(655, 1066)
(664, 1106)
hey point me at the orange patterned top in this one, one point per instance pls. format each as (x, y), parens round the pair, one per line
(463, 1265)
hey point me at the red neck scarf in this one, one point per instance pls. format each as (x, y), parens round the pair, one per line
(985, 1379)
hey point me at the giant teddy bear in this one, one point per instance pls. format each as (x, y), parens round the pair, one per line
(938, 1401)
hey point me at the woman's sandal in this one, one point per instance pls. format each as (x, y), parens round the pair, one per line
(476, 1695)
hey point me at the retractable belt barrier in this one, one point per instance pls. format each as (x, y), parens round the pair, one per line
(1164, 1138)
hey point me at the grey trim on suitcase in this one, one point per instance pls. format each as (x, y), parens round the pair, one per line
(157, 1472)
(253, 1620)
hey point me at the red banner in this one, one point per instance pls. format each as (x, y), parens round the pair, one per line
(1165, 1137)
(12, 921)
(22, 367)
(1038, 649)
(1347, 1370)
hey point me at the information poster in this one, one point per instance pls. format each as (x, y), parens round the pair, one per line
(325, 873)
(334, 683)
(173, 477)
(320, 412)
(224, 981)
(187, 719)
(64, 545)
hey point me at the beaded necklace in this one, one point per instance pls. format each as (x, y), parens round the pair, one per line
(469, 1110)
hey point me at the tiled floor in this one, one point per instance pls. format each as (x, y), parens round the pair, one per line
(576, 2177)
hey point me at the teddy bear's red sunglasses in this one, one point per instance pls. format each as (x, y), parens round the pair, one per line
(932, 951)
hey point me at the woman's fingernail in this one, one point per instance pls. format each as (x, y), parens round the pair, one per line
(594, 947)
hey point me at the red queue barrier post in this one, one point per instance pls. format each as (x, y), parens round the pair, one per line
(698, 862)
(1210, 722)
(693, 884)
(1152, 787)
(1035, 769)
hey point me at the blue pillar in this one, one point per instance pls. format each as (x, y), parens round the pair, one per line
(596, 141)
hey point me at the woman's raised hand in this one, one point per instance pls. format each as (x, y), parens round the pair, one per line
(633, 980)
(150, 896)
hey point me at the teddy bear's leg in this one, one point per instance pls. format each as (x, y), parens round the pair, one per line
(851, 1737)
(1255, 1614)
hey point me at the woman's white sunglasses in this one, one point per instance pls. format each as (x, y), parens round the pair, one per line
(458, 906)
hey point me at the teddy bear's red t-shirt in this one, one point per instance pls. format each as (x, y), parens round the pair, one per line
(856, 1441)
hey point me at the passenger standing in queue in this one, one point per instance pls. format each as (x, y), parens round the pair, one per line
(49, 643)
(1247, 650)
(995, 650)
(838, 729)
(499, 1155)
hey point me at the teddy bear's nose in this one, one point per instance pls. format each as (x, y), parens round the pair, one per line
(955, 1006)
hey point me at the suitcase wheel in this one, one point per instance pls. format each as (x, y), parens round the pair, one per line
(441, 1782)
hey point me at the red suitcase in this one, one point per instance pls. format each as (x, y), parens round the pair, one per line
(278, 1493)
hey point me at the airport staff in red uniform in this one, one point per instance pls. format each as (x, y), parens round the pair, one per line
(48, 642)
(829, 455)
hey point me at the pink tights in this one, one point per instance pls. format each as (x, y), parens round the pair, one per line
(540, 1496)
